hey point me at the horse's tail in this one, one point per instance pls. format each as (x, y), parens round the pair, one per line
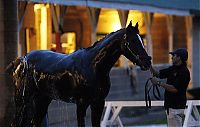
(24, 92)
(15, 69)
(12, 66)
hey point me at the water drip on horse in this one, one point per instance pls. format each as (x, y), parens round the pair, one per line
(81, 77)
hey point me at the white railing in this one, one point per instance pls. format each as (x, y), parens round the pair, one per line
(192, 117)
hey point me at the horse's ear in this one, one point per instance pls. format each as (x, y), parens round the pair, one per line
(129, 28)
(136, 25)
(129, 25)
(136, 28)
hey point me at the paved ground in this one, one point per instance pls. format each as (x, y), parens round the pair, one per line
(64, 115)
(157, 125)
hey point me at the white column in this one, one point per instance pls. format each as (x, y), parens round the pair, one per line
(123, 16)
(93, 15)
(196, 51)
(148, 22)
(188, 23)
(170, 31)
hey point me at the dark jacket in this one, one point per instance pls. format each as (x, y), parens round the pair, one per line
(179, 77)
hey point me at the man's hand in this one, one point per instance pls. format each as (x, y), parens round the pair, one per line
(154, 81)
(167, 87)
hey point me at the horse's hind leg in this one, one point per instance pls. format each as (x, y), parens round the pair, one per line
(41, 108)
(97, 109)
(24, 114)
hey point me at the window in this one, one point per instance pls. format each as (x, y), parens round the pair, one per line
(68, 42)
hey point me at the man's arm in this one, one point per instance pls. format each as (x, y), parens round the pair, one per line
(168, 87)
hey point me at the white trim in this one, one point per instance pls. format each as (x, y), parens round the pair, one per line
(147, 8)
(140, 40)
(123, 6)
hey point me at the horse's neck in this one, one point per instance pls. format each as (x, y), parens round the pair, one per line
(107, 55)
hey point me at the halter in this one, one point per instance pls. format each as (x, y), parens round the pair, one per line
(126, 45)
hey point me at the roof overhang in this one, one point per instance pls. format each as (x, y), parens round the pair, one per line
(172, 7)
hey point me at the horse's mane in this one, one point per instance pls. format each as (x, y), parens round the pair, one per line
(102, 40)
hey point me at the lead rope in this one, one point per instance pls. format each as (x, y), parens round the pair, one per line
(147, 93)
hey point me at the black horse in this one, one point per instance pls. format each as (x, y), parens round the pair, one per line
(81, 77)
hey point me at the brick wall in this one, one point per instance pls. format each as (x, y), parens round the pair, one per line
(76, 20)
(160, 39)
(160, 36)
(180, 37)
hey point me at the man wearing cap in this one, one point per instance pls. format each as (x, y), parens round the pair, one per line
(178, 77)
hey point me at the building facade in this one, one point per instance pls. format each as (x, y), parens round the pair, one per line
(67, 25)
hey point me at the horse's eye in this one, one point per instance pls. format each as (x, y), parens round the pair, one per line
(127, 43)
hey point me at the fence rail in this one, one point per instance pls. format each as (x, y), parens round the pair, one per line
(113, 108)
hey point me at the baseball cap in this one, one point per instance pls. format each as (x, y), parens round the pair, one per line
(182, 52)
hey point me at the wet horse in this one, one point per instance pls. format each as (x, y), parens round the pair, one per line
(81, 77)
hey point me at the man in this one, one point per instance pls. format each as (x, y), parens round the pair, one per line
(178, 77)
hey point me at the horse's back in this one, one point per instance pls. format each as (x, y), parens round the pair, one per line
(48, 61)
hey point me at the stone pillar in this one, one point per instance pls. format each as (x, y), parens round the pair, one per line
(93, 15)
(148, 18)
(8, 52)
(123, 16)
(170, 28)
(196, 52)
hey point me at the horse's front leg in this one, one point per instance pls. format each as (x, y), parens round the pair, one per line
(82, 106)
(97, 110)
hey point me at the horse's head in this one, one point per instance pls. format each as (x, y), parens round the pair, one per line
(133, 48)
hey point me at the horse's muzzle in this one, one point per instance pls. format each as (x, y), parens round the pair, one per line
(145, 63)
